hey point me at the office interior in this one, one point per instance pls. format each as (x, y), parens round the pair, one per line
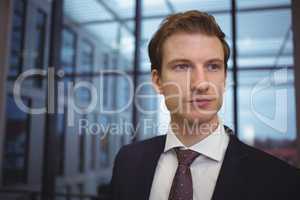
(51, 150)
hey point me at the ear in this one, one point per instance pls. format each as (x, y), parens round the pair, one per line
(156, 81)
(225, 81)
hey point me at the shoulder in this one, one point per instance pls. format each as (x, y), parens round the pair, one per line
(263, 165)
(138, 149)
(259, 156)
(270, 176)
(256, 158)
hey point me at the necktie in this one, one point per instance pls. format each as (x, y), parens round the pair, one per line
(182, 186)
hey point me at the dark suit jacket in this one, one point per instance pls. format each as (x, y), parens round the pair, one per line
(246, 173)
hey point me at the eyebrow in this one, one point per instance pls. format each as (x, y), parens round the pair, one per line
(215, 60)
(186, 60)
(176, 61)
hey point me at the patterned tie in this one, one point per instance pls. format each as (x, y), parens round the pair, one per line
(182, 186)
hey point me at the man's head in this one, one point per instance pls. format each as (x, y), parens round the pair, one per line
(189, 57)
(188, 22)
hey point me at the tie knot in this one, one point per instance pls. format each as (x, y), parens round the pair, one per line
(186, 157)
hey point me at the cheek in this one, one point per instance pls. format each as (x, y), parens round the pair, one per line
(217, 87)
(174, 93)
(221, 90)
(170, 89)
(174, 87)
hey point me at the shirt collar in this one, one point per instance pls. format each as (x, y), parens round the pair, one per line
(213, 146)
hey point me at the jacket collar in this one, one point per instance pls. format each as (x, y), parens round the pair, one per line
(230, 176)
(147, 168)
(213, 146)
(232, 172)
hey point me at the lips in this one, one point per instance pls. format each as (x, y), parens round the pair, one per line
(201, 102)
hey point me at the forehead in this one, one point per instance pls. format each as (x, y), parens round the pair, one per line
(192, 46)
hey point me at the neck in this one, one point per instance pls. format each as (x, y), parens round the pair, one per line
(192, 132)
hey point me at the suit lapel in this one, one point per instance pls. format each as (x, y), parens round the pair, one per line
(148, 166)
(231, 176)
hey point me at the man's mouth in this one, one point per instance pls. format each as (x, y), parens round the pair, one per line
(201, 102)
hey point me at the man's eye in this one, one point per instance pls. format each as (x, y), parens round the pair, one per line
(181, 66)
(213, 67)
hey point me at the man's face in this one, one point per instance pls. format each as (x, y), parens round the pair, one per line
(192, 77)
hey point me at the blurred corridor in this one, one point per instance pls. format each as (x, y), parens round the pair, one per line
(76, 87)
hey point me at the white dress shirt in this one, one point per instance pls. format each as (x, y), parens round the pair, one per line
(205, 168)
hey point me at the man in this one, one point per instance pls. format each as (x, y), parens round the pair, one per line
(198, 158)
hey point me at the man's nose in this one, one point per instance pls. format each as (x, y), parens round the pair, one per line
(199, 79)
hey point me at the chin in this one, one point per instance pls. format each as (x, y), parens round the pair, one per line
(199, 118)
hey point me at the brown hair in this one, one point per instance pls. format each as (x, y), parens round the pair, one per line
(190, 22)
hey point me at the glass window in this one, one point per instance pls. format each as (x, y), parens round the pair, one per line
(85, 11)
(39, 42)
(106, 60)
(107, 32)
(16, 144)
(82, 146)
(17, 38)
(267, 111)
(107, 86)
(93, 146)
(82, 94)
(86, 57)
(124, 8)
(208, 6)
(93, 151)
(266, 101)
(115, 60)
(104, 121)
(104, 149)
(68, 56)
(109, 21)
(262, 3)
(158, 7)
(259, 41)
(80, 190)
(61, 131)
(68, 50)
(125, 47)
